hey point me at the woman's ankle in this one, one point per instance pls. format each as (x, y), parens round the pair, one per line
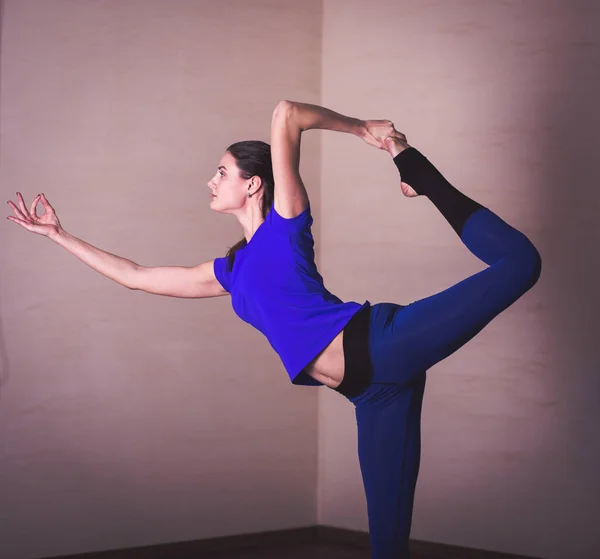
(395, 146)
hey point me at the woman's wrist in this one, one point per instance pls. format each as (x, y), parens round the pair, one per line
(55, 234)
(360, 128)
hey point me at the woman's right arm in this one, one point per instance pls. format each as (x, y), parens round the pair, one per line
(175, 281)
(179, 281)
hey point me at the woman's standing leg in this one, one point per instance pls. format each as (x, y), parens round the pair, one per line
(389, 452)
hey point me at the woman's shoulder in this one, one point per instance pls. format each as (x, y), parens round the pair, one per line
(291, 225)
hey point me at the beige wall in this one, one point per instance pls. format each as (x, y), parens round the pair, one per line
(125, 418)
(129, 419)
(502, 96)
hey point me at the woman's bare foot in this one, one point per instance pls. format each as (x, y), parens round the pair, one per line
(395, 145)
(408, 190)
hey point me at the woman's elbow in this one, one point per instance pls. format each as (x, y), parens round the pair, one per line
(283, 108)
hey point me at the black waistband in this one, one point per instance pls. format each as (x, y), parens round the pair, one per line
(358, 371)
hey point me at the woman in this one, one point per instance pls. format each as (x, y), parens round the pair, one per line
(376, 356)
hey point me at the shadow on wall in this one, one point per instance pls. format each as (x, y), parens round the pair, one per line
(571, 233)
(571, 212)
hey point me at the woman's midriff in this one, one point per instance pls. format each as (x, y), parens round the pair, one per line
(328, 366)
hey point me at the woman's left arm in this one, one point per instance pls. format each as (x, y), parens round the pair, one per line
(310, 117)
(289, 120)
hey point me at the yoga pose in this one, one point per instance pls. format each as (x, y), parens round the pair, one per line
(374, 355)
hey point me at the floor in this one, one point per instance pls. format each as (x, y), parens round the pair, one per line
(304, 551)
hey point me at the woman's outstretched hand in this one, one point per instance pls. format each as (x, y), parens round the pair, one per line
(376, 131)
(47, 224)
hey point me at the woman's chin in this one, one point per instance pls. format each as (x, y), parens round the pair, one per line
(214, 206)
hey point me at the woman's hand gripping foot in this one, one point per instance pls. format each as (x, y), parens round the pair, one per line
(383, 135)
(395, 144)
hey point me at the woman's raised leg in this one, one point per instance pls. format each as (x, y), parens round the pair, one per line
(404, 341)
(430, 329)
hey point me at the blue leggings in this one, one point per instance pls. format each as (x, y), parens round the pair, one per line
(405, 341)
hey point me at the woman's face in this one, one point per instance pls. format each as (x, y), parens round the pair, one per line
(229, 191)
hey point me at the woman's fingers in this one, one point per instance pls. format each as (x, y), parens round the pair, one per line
(47, 206)
(15, 219)
(21, 211)
(17, 211)
(33, 225)
(379, 132)
(383, 128)
(21, 222)
(32, 211)
(22, 204)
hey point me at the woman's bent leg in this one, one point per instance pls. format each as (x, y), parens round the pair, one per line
(429, 330)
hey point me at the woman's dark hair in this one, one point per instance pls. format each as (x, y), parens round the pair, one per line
(253, 158)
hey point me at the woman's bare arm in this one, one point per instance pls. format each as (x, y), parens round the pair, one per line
(110, 265)
(180, 281)
(289, 120)
(308, 117)
(174, 281)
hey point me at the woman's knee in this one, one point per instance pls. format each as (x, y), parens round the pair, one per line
(531, 265)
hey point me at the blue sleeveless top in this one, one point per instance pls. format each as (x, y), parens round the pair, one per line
(275, 287)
